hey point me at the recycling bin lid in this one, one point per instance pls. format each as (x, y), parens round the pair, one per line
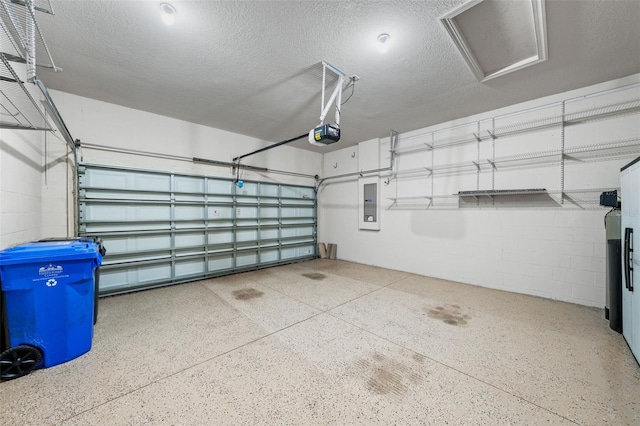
(49, 250)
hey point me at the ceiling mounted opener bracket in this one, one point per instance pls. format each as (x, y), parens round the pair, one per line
(325, 134)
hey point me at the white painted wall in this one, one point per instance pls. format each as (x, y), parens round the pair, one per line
(20, 186)
(21, 166)
(58, 205)
(553, 252)
(100, 123)
(36, 169)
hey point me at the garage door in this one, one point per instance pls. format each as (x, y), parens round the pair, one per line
(166, 228)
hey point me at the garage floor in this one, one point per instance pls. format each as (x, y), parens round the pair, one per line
(332, 342)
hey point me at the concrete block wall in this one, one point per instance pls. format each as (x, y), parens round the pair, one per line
(556, 253)
(58, 205)
(20, 187)
(553, 250)
(120, 128)
(36, 168)
(36, 187)
(21, 166)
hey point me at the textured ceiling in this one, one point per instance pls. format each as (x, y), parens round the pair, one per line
(252, 67)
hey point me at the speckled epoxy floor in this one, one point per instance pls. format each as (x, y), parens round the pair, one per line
(332, 342)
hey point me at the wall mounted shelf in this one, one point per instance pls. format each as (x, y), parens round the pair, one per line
(615, 149)
(479, 142)
(416, 197)
(611, 110)
(497, 192)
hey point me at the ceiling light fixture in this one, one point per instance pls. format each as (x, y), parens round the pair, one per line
(168, 13)
(383, 42)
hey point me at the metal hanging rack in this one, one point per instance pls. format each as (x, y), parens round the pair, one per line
(19, 110)
(628, 106)
(20, 24)
(20, 40)
(549, 116)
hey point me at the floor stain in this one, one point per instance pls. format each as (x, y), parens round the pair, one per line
(419, 357)
(384, 381)
(379, 357)
(385, 375)
(315, 276)
(448, 314)
(247, 293)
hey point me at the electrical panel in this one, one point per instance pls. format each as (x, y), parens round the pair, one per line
(369, 205)
(370, 202)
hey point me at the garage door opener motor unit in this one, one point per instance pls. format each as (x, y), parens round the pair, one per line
(326, 134)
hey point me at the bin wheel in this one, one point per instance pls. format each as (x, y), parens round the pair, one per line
(18, 361)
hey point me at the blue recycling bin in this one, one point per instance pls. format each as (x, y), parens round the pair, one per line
(48, 290)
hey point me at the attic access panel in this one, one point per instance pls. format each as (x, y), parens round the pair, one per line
(497, 37)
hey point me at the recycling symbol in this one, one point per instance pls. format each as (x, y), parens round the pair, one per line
(52, 283)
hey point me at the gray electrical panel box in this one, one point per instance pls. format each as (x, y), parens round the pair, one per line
(370, 202)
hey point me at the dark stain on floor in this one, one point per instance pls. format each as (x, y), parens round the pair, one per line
(315, 276)
(385, 375)
(419, 357)
(384, 381)
(247, 293)
(448, 314)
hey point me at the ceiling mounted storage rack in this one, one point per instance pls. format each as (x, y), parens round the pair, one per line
(19, 109)
(22, 39)
(22, 42)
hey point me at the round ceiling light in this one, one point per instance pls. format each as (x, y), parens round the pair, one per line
(384, 40)
(168, 13)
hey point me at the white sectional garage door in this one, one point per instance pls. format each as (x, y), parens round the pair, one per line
(166, 228)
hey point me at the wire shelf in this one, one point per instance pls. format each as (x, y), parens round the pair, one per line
(8, 44)
(413, 149)
(609, 150)
(495, 192)
(18, 109)
(39, 5)
(575, 198)
(604, 112)
(16, 20)
(20, 34)
(591, 114)
(527, 126)
(415, 197)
